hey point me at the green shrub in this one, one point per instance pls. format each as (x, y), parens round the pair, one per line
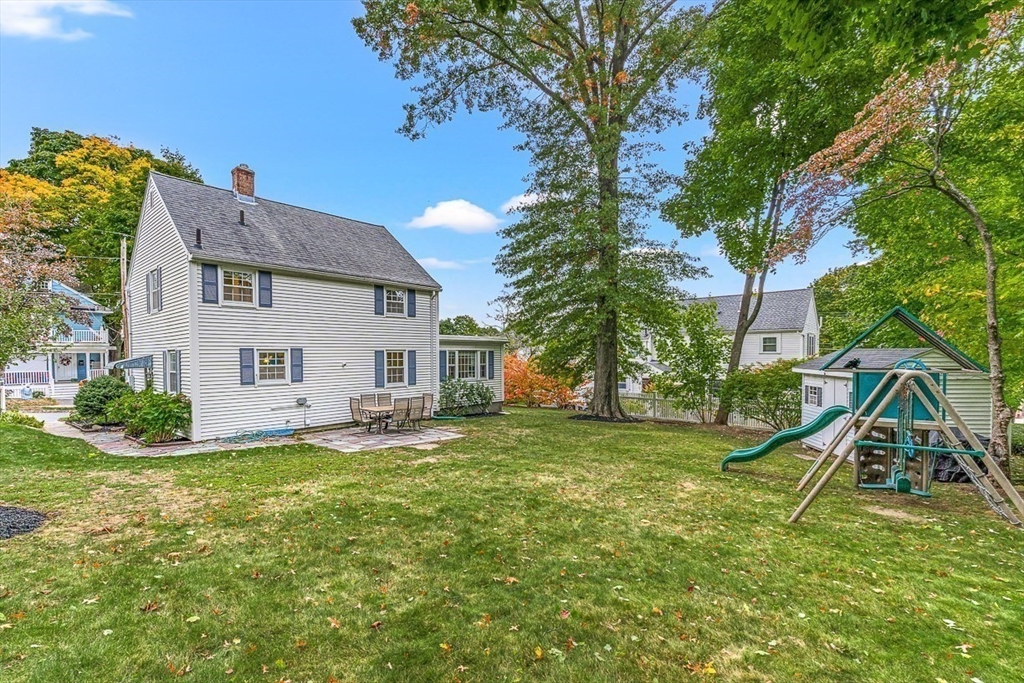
(768, 393)
(152, 416)
(13, 417)
(96, 395)
(460, 397)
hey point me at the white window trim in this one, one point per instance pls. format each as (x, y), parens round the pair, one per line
(222, 271)
(778, 344)
(177, 371)
(405, 369)
(287, 368)
(405, 303)
(813, 400)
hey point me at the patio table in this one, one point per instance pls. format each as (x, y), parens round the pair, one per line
(379, 414)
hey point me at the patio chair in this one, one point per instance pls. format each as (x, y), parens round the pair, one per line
(357, 413)
(428, 406)
(416, 411)
(368, 399)
(400, 416)
(383, 399)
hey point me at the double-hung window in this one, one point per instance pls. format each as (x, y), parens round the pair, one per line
(467, 365)
(273, 366)
(394, 301)
(769, 344)
(812, 344)
(153, 290)
(238, 287)
(394, 368)
(173, 374)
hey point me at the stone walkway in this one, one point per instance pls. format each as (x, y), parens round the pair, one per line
(349, 440)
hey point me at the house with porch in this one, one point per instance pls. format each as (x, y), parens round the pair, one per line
(272, 316)
(67, 359)
(786, 328)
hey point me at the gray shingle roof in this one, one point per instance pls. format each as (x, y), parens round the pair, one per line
(785, 310)
(285, 236)
(870, 359)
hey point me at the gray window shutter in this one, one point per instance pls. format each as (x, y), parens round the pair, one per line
(210, 284)
(159, 289)
(410, 360)
(378, 369)
(166, 375)
(296, 363)
(820, 392)
(490, 365)
(247, 366)
(410, 303)
(807, 394)
(444, 365)
(266, 283)
(378, 300)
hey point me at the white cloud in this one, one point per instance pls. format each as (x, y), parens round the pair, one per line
(439, 264)
(41, 18)
(714, 250)
(519, 201)
(458, 215)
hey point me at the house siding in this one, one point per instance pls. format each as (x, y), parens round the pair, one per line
(334, 324)
(498, 383)
(157, 244)
(790, 346)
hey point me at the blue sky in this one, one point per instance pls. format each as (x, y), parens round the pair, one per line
(289, 89)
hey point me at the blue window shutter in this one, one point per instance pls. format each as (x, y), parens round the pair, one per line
(210, 283)
(490, 365)
(247, 366)
(444, 365)
(378, 369)
(411, 362)
(266, 289)
(378, 300)
(296, 363)
(410, 304)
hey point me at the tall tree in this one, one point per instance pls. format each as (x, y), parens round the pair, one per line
(766, 116)
(584, 82)
(947, 139)
(467, 325)
(89, 190)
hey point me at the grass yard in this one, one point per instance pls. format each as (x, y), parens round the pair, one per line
(536, 549)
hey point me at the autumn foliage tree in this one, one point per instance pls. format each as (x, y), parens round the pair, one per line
(587, 84)
(526, 384)
(946, 140)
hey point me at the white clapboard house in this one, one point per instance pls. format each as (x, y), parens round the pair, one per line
(271, 316)
(786, 328)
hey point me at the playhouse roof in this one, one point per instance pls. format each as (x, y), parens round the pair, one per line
(927, 334)
(870, 359)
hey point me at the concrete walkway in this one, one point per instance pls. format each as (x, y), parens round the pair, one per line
(348, 440)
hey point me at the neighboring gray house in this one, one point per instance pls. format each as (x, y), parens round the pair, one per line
(247, 305)
(787, 327)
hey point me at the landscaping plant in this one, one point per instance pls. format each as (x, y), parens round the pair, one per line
(153, 416)
(13, 417)
(696, 358)
(769, 393)
(95, 397)
(460, 397)
(526, 384)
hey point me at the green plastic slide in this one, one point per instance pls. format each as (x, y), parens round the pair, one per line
(827, 417)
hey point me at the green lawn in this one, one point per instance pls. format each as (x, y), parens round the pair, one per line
(538, 548)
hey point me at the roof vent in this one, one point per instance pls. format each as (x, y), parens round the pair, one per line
(243, 184)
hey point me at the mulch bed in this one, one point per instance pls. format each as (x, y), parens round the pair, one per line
(14, 521)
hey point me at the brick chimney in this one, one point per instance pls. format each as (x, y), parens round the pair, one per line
(243, 182)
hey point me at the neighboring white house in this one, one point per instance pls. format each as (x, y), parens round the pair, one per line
(268, 315)
(64, 360)
(787, 327)
(475, 358)
(968, 389)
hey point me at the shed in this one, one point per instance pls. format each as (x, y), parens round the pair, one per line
(475, 359)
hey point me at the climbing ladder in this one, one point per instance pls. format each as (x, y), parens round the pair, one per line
(902, 384)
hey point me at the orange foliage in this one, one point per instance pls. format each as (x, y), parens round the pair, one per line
(524, 383)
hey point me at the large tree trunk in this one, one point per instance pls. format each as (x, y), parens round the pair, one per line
(746, 316)
(1002, 415)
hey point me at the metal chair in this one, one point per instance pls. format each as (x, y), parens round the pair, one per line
(428, 406)
(416, 411)
(384, 399)
(368, 399)
(400, 416)
(357, 413)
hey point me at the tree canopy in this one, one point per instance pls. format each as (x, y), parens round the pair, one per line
(468, 326)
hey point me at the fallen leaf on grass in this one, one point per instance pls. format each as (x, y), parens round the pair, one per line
(334, 622)
(564, 614)
(192, 619)
(376, 625)
(538, 653)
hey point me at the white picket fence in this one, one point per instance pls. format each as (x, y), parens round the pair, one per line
(657, 407)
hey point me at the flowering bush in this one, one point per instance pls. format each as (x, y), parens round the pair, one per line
(459, 397)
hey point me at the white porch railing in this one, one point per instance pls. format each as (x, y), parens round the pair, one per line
(660, 408)
(98, 372)
(18, 378)
(82, 337)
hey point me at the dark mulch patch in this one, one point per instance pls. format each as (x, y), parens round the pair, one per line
(14, 521)
(596, 418)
